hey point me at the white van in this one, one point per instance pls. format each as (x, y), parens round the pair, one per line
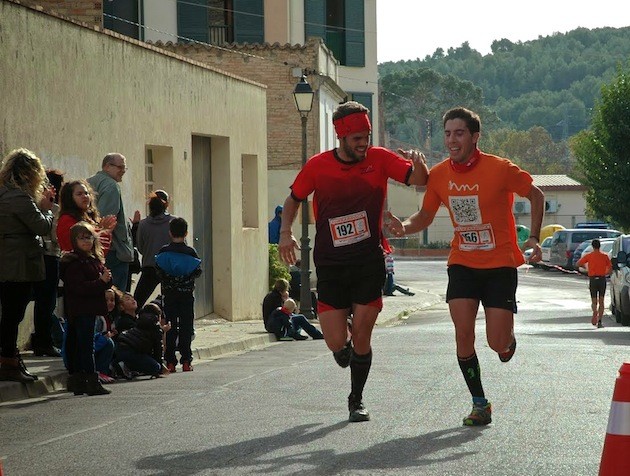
(564, 243)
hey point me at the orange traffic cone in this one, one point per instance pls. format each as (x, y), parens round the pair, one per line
(615, 461)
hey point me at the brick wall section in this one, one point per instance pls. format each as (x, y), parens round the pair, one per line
(270, 65)
(89, 12)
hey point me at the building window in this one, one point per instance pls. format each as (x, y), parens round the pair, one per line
(341, 24)
(221, 21)
(249, 176)
(148, 175)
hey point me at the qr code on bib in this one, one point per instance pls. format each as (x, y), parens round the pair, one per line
(465, 210)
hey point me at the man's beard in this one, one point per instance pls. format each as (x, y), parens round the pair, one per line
(347, 150)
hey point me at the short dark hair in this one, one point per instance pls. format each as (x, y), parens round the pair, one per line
(348, 108)
(596, 244)
(157, 205)
(473, 122)
(151, 309)
(178, 227)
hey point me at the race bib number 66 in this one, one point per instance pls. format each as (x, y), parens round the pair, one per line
(349, 229)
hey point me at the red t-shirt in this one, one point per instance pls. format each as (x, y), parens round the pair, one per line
(64, 224)
(480, 205)
(348, 202)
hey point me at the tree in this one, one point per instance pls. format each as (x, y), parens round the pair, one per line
(603, 152)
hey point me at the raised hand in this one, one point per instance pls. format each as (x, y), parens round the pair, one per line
(393, 224)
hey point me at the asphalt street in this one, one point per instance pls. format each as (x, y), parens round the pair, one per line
(281, 410)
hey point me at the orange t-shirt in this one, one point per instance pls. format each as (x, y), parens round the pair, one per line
(598, 263)
(480, 205)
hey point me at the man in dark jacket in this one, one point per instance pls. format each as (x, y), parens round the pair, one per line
(274, 226)
(140, 347)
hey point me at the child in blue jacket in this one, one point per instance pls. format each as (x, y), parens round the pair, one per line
(177, 266)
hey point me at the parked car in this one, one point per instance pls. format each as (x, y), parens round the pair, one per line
(606, 247)
(544, 246)
(546, 250)
(594, 224)
(564, 243)
(620, 280)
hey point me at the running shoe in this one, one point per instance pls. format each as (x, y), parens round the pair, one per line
(171, 367)
(479, 416)
(357, 410)
(599, 324)
(594, 319)
(342, 357)
(506, 356)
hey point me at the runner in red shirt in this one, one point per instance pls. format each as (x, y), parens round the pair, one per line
(478, 190)
(349, 185)
(599, 266)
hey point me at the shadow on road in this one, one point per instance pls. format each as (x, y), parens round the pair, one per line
(257, 455)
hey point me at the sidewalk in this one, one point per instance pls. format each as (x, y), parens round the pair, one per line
(213, 338)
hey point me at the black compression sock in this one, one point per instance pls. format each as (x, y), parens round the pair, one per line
(472, 374)
(359, 371)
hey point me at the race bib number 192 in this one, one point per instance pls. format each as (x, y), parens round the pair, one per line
(349, 229)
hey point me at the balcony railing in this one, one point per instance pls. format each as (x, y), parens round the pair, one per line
(220, 34)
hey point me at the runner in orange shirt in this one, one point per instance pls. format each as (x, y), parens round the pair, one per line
(599, 266)
(478, 190)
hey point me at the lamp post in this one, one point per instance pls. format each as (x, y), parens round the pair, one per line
(303, 95)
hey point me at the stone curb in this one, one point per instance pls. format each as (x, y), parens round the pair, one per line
(55, 381)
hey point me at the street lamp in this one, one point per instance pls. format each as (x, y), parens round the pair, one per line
(303, 95)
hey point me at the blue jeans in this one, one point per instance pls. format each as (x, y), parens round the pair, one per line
(119, 269)
(142, 363)
(104, 355)
(179, 310)
(298, 321)
(80, 344)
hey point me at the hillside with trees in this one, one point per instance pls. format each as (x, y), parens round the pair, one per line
(532, 96)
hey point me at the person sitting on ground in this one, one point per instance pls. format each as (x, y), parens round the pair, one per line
(127, 314)
(275, 298)
(283, 322)
(295, 286)
(390, 284)
(103, 343)
(140, 348)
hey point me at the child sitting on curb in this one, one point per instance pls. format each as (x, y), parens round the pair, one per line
(140, 348)
(283, 322)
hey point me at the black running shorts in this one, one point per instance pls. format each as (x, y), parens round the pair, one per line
(340, 286)
(597, 286)
(495, 287)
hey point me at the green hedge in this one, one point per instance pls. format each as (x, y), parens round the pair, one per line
(277, 269)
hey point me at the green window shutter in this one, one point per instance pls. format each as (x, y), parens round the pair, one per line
(355, 33)
(192, 20)
(365, 99)
(314, 18)
(125, 9)
(249, 21)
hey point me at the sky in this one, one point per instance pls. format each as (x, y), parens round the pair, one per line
(410, 29)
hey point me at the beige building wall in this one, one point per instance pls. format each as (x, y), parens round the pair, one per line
(74, 93)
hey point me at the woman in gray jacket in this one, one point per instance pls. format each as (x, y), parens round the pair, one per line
(25, 215)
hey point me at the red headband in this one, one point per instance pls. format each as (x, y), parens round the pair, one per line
(355, 122)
